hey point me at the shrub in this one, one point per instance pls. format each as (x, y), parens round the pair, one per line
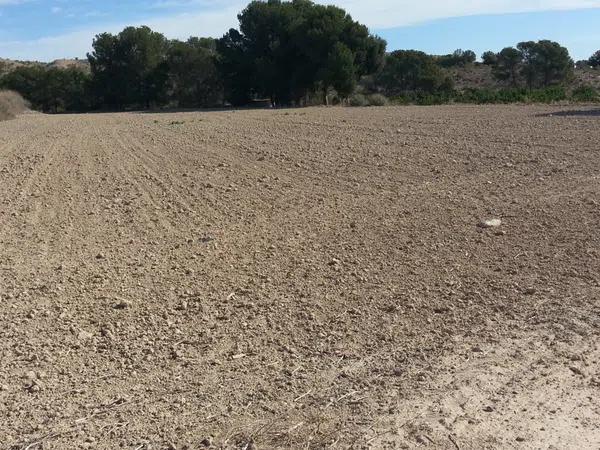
(377, 100)
(358, 100)
(486, 96)
(548, 95)
(11, 104)
(585, 93)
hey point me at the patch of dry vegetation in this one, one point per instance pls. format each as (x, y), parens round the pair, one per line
(11, 104)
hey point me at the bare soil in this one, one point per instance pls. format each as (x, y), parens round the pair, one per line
(312, 278)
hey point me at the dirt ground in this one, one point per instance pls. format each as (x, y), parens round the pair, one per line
(312, 278)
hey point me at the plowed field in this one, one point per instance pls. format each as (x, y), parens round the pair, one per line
(311, 278)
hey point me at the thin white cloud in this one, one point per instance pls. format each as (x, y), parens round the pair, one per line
(78, 43)
(222, 15)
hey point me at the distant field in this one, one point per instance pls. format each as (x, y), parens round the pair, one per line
(311, 278)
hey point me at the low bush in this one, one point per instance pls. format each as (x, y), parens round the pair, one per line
(548, 95)
(11, 104)
(358, 100)
(423, 98)
(377, 100)
(491, 96)
(585, 93)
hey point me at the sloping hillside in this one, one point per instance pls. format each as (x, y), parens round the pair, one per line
(480, 76)
(6, 65)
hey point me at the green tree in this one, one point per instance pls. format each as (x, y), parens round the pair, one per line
(285, 50)
(545, 63)
(459, 58)
(27, 81)
(67, 89)
(50, 89)
(508, 66)
(236, 68)
(340, 72)
(411, 70)
(129, 69)
(489, 58)
(594, 60)
(192, 71)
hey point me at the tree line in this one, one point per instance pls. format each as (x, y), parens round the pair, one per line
(289, 52)
(532, 64)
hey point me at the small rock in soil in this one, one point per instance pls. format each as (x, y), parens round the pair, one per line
(490, 223)
(577, 371)
(421, 439)
(84, 335)
(123, 304)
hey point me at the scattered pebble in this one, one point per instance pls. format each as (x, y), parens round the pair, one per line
(123, 304)
(576, 371)
(84, 335)
(490, 223)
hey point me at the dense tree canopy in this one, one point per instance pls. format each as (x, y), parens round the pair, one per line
(594, 60)
(193, 79)
(489, 58)
(536, 64)
(545, 63)
(459, 58)
(285, 50)
(508, 65)
(50, 90)
(129, 68)
(411, 70)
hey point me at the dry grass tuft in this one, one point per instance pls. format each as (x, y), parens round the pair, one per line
(11, 104)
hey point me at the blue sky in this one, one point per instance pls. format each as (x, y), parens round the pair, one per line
(51, 29)
(579, 31)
